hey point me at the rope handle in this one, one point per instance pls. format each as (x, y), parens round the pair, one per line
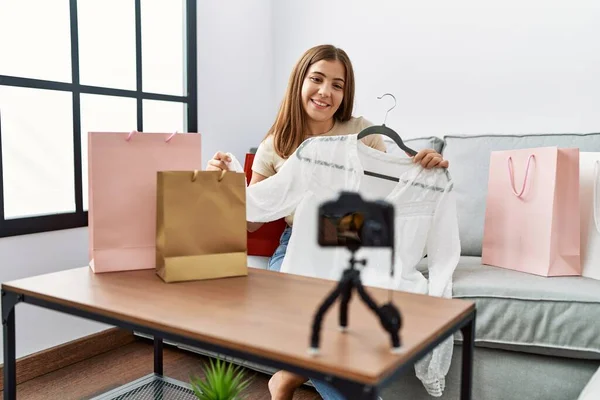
(219, 179)
(512, 176)
(167, 140)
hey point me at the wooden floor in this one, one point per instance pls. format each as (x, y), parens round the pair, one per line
(107, 371)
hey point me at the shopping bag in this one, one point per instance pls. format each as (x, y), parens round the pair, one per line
(122, 171)
(265, 240)
(200, 225)
(589, 175)
(532, 211)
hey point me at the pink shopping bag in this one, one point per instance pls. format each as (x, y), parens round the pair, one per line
(532, 211)
(122, 171)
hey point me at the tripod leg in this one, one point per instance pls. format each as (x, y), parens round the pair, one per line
(395, 339)
(346, 295)
(318, 319)
(391, 323)
(365, 296)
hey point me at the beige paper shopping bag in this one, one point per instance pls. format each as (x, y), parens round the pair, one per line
(201, 225)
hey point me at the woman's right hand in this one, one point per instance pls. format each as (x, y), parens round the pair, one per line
(218, 162)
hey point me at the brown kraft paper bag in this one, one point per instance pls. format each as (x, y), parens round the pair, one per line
(201, 225)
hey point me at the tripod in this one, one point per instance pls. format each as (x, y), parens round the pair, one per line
(388, 314)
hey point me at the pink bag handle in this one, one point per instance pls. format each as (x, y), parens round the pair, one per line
(594, 201)
(512, 176)
(128, 138)
(167, 140)
(171, 137)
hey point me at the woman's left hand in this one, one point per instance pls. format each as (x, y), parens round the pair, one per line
(430, 158)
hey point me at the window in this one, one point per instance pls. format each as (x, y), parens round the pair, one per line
(101, 65)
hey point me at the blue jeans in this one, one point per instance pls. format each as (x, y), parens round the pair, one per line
(326, 391)
(277, 258)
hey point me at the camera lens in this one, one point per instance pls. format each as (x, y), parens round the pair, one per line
(374, 234)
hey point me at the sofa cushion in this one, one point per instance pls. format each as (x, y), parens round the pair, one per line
(557, 316)
(431, 142)
(469, 158)
(592, 389)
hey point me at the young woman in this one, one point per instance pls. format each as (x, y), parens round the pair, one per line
(318, 101)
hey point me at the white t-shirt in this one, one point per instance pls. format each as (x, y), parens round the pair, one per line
(425, 219)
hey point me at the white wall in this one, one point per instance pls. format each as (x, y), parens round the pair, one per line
(30, 255)
(235, 75)
(235, 103)
(463, 66)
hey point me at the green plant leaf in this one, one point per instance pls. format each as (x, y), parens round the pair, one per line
(222, 381)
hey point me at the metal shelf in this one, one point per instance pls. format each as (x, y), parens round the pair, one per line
(150, 387)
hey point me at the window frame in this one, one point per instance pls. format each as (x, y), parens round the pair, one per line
(79, 218)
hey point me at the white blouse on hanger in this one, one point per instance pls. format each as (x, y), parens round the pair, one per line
(425, 222)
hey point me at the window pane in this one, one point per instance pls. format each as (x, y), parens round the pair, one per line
(107, 43)
(164, 116)
(103, 114)
(163, 33)
(37, 151)
(35, 39)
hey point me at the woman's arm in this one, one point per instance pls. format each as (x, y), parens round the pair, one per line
(218, 163)
(256, 177)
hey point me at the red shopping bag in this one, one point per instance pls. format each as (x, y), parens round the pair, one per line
(265, 240)
(532, 211)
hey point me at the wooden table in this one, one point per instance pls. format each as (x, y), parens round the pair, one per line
(265, 317)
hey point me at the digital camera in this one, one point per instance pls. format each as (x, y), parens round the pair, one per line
(350, 221)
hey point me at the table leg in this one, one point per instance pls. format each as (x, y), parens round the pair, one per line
(468, 346)
(9, 301)
(158, 355)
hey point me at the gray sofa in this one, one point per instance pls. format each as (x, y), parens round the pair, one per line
(536, 338)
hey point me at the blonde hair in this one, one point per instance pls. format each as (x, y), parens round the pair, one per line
(288, 130)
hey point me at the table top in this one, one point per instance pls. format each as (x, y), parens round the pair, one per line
(266, 313)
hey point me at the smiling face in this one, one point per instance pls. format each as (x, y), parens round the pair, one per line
(323, 91)
(320, 91)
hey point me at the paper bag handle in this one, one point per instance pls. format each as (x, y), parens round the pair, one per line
(512, 176)
(595, 195)
(167, 140)
(220, 178)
